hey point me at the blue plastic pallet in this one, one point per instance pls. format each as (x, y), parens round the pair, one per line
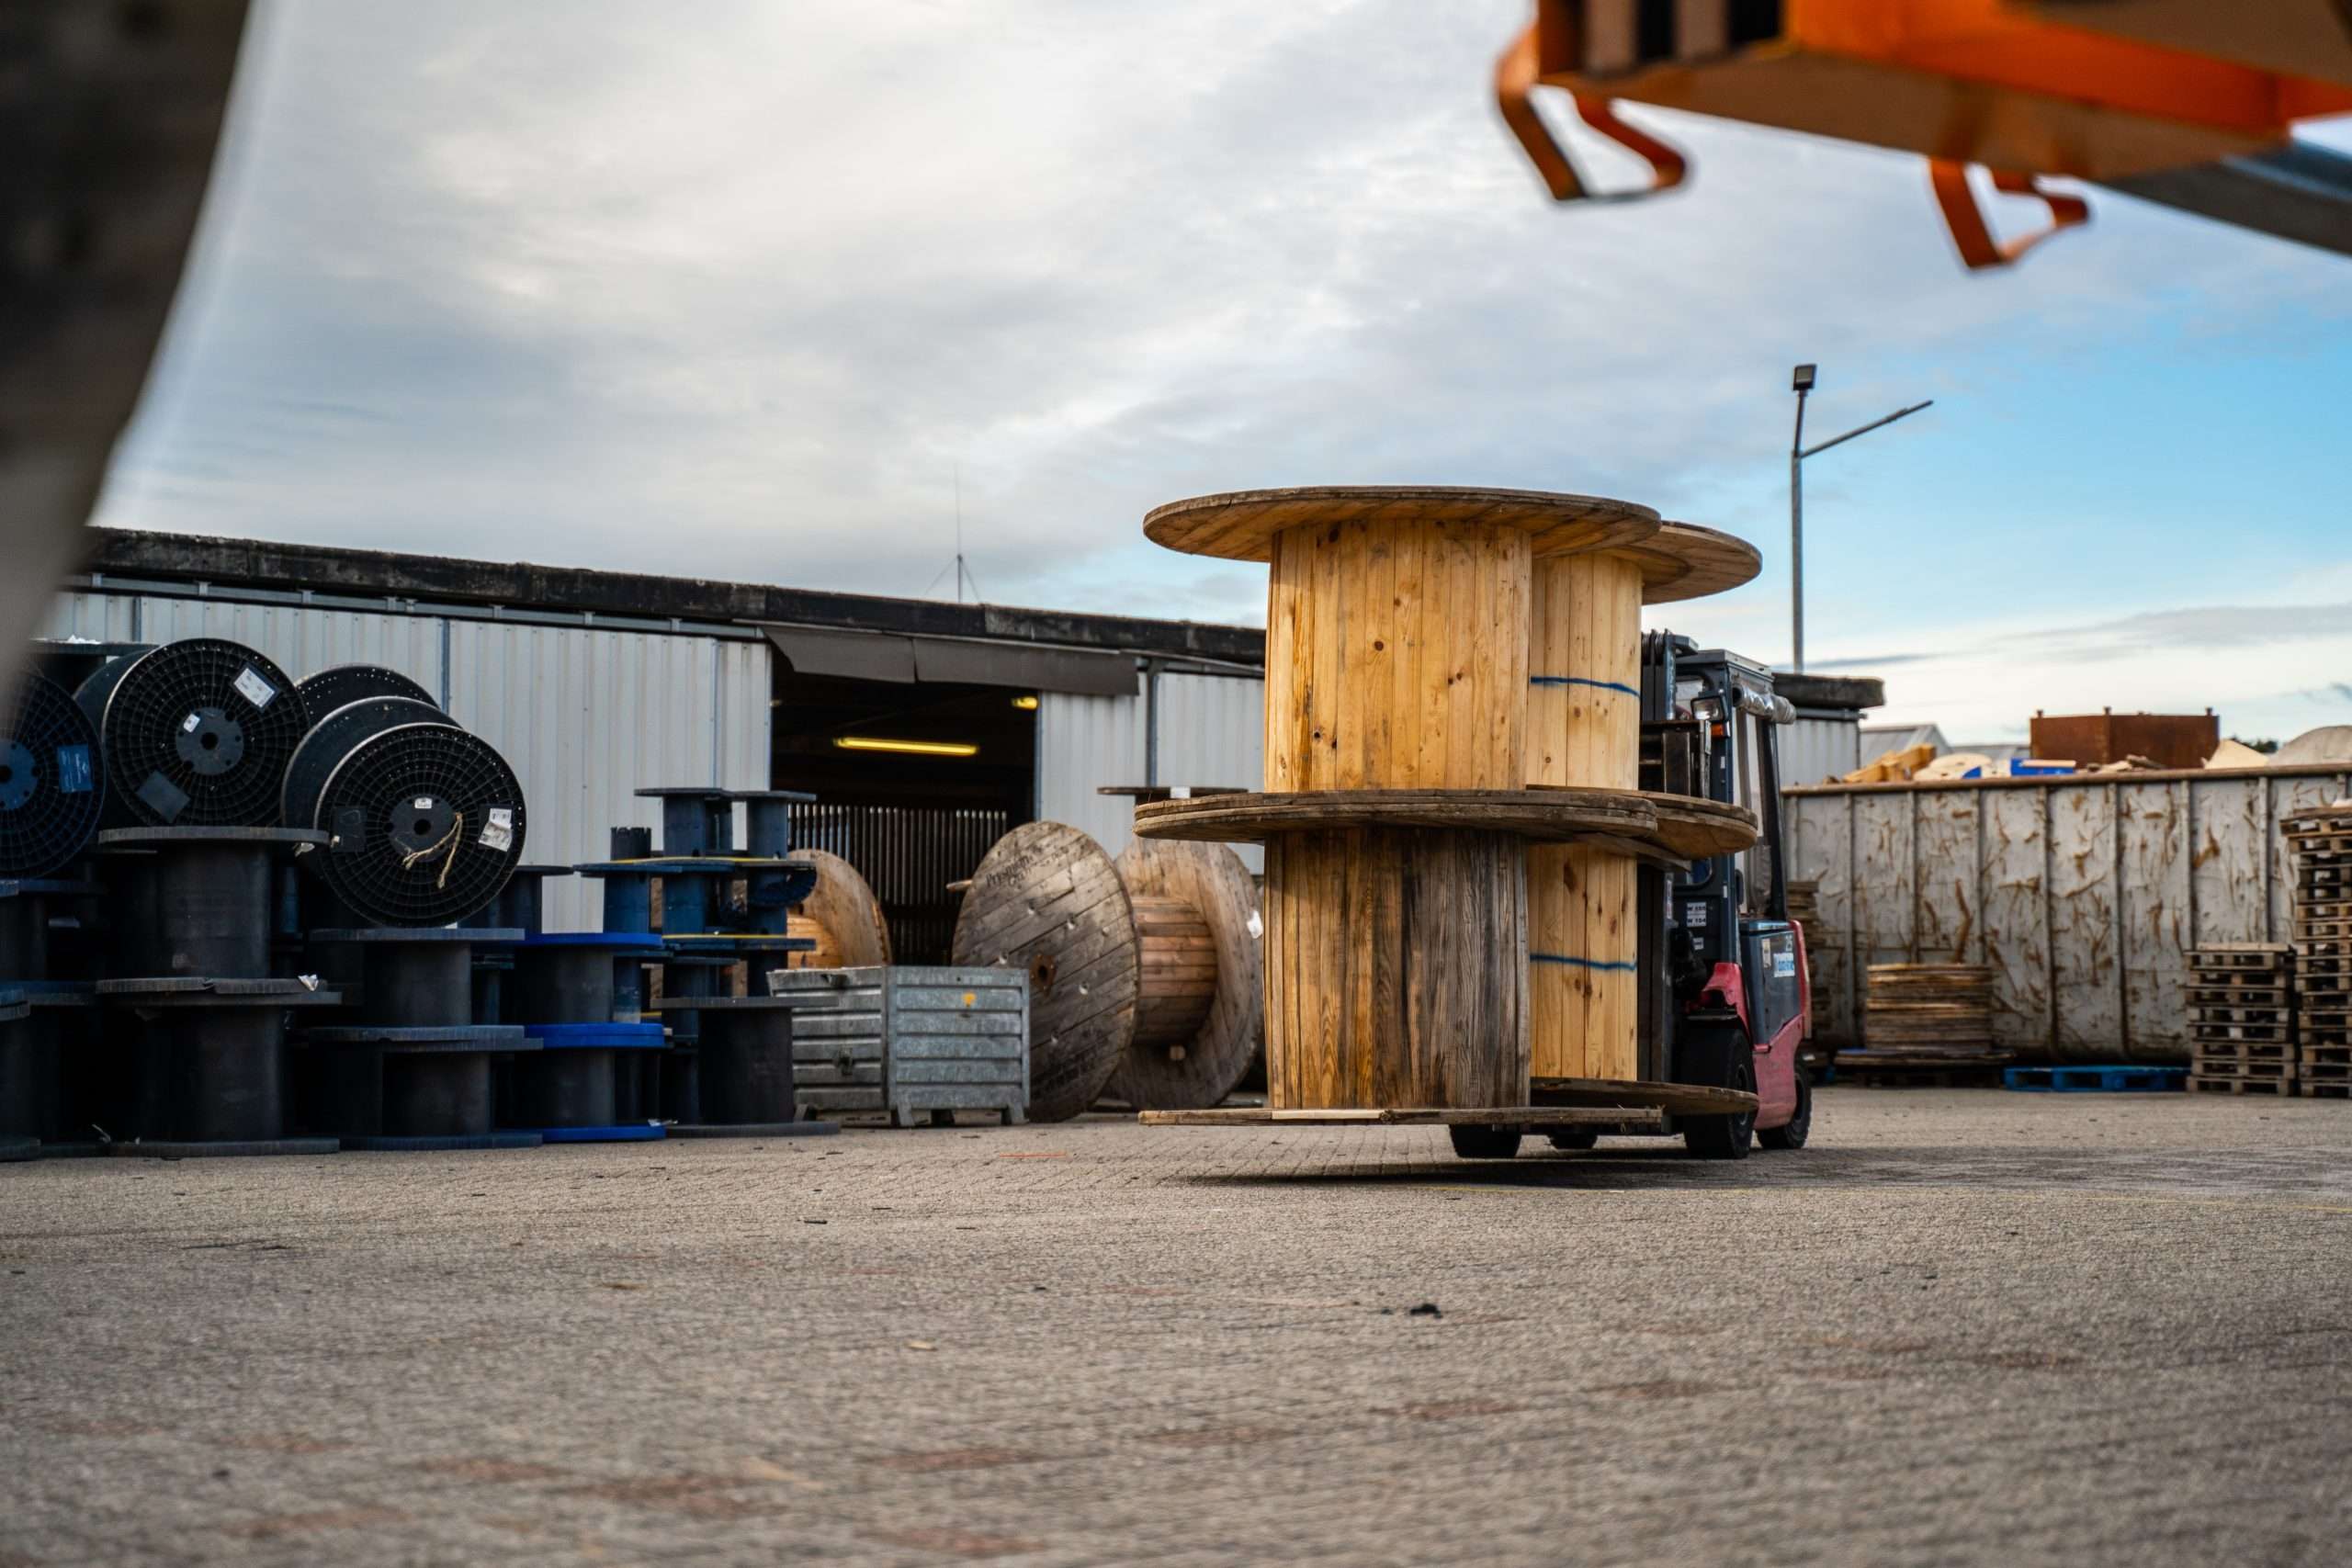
(2096, 1081)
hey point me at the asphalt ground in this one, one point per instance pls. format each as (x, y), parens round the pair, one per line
(1962, 1328)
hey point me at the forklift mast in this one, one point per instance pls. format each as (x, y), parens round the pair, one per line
(1709, 718)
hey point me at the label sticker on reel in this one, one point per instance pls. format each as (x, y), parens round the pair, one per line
(255, 690)
(498, 833)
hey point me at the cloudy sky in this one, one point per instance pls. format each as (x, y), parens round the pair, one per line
(749, 290)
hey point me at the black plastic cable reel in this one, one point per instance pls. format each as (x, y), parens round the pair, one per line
(51, 795)
(340, 685)
(194, 734)
(424, 820)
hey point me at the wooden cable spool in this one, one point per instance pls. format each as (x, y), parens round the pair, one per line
(1401, 741)
(1145, 979)
(1584, 701)
(841, 916)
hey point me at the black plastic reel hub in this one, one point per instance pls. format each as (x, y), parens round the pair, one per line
(343, 685)
(521, 903)
(744, 1073)
(569, 977)
(696, 819)
(376, 1081)
(50, 794)
(209, 1062)
(44, 1051)
(425, 821)
(197, 901)
(26, 905)
(409, 976)
(195, 733)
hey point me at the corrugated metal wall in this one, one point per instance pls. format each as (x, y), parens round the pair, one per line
(1815, 749)
(1212, 731)
(586, 716)
(1084, 742)
(2082, 895)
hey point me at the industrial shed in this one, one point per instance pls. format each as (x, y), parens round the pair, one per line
(594, 685)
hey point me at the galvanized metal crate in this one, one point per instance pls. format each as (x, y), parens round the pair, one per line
(909, 1040)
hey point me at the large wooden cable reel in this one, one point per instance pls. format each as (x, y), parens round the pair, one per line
(1201, 1004)
(1048, 900)
(841, 916)
(1145, 982)
(1420, 644)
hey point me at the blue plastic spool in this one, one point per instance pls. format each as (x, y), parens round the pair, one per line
(571, 1091)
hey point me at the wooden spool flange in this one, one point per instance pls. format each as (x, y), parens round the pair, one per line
(841, 916)
(1145, 980)
(1400, 747)
(1584, 718)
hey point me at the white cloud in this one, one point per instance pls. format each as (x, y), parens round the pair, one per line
(741, 292)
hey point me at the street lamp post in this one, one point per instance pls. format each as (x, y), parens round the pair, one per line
(1798, 452)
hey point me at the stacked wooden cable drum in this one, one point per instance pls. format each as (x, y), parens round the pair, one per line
(1584, 724)
(1409, 765)
(2322, 841)
(2241, 1021)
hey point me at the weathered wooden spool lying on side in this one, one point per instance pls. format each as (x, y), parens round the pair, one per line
(1145, 980)
(841, 916)
(1584, 699)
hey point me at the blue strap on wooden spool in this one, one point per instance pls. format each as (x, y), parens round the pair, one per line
(1582, 680)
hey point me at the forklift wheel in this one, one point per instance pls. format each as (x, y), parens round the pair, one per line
(1723, 1138)
(1792, 1134)
(1574, 1138)
(1485, 1142)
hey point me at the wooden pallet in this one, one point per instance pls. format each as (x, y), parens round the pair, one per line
(2197, 1084)
(2264, 1012)
(2243, 1067)
(2199, 994)
(2309, 1071)
(2273, 1034)
(2235, 958)
(2323, 1090)
(2310, 819)
(2244, 1050)
(1890, 1069)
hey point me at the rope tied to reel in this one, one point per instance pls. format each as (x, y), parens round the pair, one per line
(448, 840)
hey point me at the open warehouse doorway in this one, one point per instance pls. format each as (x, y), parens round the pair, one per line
(915, 782)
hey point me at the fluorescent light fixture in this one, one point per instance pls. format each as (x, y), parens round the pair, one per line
(907, 748)
(1026, 705)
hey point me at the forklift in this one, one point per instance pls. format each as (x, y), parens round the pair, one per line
(1724, 999)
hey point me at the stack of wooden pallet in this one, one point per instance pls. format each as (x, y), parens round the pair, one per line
(2322, 841)
(1804, 909)
(2242, 1019)
(1927, 1023)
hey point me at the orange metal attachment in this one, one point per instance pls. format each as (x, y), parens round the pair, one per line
(1998, 82)
(1978, 249)
(1515, 76)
